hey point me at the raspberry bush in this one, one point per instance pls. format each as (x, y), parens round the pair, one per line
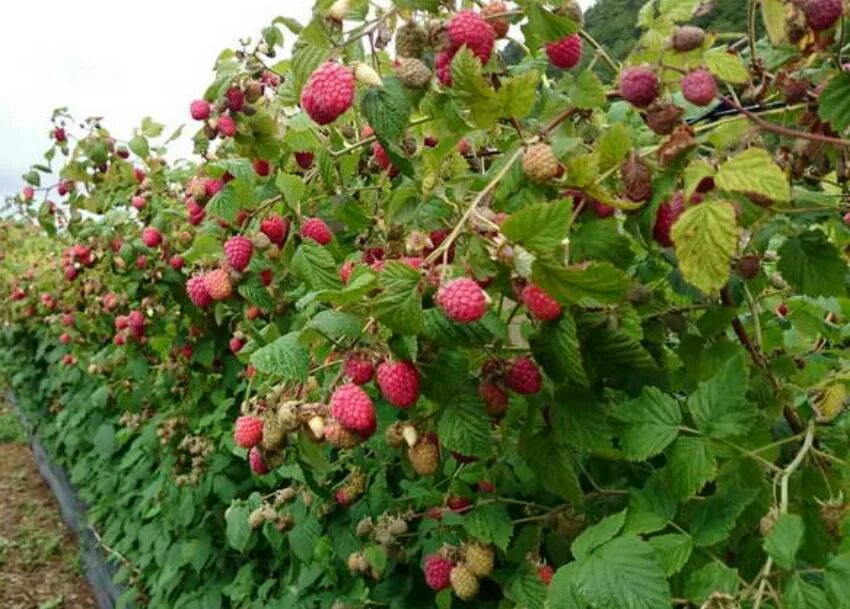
(451, 309)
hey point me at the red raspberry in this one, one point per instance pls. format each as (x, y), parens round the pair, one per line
(226, 125)
(328, 93)
(600, 209)
(382, 158)
(136, 322)
(545, 573)
(266, 277)
(358, 369)
(485, 486)
(258, 464)
(782, 310)
(317, 230)
(462, 300)
(176, 262)
(67, 319)
(218, 284)
(238, 251)
(457, 503)
(235, 99)
(699, 87)
(353, 408)
(28, 193)
(64, 338)
(437, 571)
(141, 262)
(139, 202)
(200, 109)
(540, 304)
(399, 383)
(253, 312)
(248, 431)
(197, 290)
(345, 271)
(304, 159)
(565, 53)
(523, 376)
(59, 134)
(822, 14)
(151, 237)
(500, 25)
(236, 344)
(196, 212)
(70, 273)
(262, 168)
(468, 28)
(639, 86)
(212, 187)
(666, 216)
(494, 397)
(443, 66)
(275, 228)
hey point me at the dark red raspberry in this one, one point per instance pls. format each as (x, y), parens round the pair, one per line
(494, 397)
(235, 99)
(304, 159)
(262, 168)
(699, 87)
(317, 230)
(639, 86)
(328, 93)
(238, 251)
(258, 464)
(358, 368)
(200, 109)
(500, 25)
(462, 300)
(468, 28)
(667, 214)
(236, 344)
(822, 14)
(151, 237)
(248, 431)
(437, 571)
(565, 53)
(353, 408)
(176, 262)
(275, 228)
(523, 376)
(545, 573)
(540, 304)
(399, 383)
(443, 66)
(226, 125)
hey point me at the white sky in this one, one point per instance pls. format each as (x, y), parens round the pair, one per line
(115, 59)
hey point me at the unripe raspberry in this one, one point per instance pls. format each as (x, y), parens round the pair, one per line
(540, 164)
(410, 40)
(437, 571)
(413, 73)
(822, 14)
(275, 228)
(479, 559)
(424, 457)
(151, 237)
(565, 53)
(540, 304)
(226, 125)
(666, 216)
(462, 300)
(468, 28)
(218, 284)
(687, 38)
(464, 583)
(523, 376)
(639, 86)
(782, 310)
(358, 369)
(663, 118)
(238, 251)
(351, 489)
(59, 134)
(545, 573)
(304, 159)
(328, 92)
(257, 463)
(339, 437)
(399, 383)
(317, 230)
(699, 87)
(262, 168)
(500, 25)
(200, 109)
(353, 408)
(248, 431)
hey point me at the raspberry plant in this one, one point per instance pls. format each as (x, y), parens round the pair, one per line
(452, 309)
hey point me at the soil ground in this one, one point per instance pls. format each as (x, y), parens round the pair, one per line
(39, 561)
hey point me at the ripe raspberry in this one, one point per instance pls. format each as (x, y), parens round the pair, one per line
(64, 338)
(151, 237)
(176, 262)
(236, 344)
(382, 158)
(540, 304)
(500, 25)
(443, 66)
(257, 463)
(687, 38)
(413, 73)
(200, 109)
(523, 376)
(70, 273)
(266, 276)
(639, 86)
(226, 125)
(424, 457)
(262, 168)
(479, 559)
(238, 251)
(67, 319)
(353, 408)
(304, 159)
(462, 300)
(782, 310)
(248, 431)
(317, 230)
(328, 93)
(339, 437)
(494, 397)
(235, 99)
(485, 486)
(540, 164)
(667, 214)
(470, 29)
(59, 134)
(545, 573)
(437, 571)
(822, 14)
(358, 369)
(139, 202)
(699, 87)
(275, 228)
(565, 53)
(464, 583)
(399, 383)
(141, 262)
(218, 284)
(27, 193)
(410, 40)
(212, 186)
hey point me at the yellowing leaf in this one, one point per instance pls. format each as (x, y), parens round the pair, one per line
(726, 66)
(754, 171)
(773, 15)
(830, 402)
(706, 237)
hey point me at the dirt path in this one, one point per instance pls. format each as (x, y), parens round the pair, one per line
(39, 563)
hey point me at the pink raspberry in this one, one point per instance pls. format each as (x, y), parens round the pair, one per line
(262, 168)
(176, 262)
(212, 187)
(275, 228)
(565, 53)
(437, 571)
(639, 86)
(235, 99)
(540, 304)
(462, 300)
(358, 369)
(317, 230)
(70, 273)
(468, 28)
(136, 322)
(345, 271)
(822, 14)
(195, 211)
(67, 319)
(59, 134)
(443, 66)
(141, 262)
(65, 338)
(151, 237)
(200, 109)
(217, 283)
(545, 573)
(353, 408)
(328, 93)
(139, 202)
(248, 431)
(399, 383)
(666, 216)
(226, 125)
(257, 463)
(304, 159)
(699, 87)
(238, 251)
(523, 376)
(236, 344)
(28, 193)
(382, 158)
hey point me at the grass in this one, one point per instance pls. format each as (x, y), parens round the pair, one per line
(11, 430)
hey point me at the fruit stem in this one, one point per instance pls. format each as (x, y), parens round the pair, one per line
(600, 51)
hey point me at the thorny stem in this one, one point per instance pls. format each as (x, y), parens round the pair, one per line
(368, 29)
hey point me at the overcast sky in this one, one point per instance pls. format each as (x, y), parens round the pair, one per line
(114, 59)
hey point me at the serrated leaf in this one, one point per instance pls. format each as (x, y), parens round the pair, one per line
(595, 283)
(719, 405)
(706, 237)
(314, 264)
(678, 10)
(336, 324)
(553, 465)
(614, 145)
(238, 530)
(290, 186)
(784, 540)
(800, 594)
(490, 523)
(774, 19)
(139, 145)
(600, 533)
(672, 551)
(650, 508)
(399, 306)
(518, 94)
(587, 92)
(556, 348)
(464, 427)
(834, 102)
(223, 204)
(754, 171)
(652, 422)
(387, 109)
(471, 89)
(253, 290)
(813, 265)
(601, 239)
(526, 589)
(712, 577)
(583, 169)
(545, 26)
(714, 518)
(563, 590)
(205, 245)
(690, 465)
(541, 227)
(836, 581)
(726, 66)
(285, 358)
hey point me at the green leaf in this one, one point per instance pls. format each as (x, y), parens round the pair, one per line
(387, 109)
(774, 18)
(471, 89)
(253, 290)
(600, 533)
(285, 358)
(706, 237)
(726, 66)
(652, 507)
(290, 186)
(526, 589)
(553, 465)
(593, 284)
(556, 348)
(490, 523)
(712, 577)
(399, 306)
(784, 540)
(719, 405)
(139, 146)
(314, 264)
(601, 239)
(223, 204)
(563, 590)
(678, 10)
(813, 265)
(151, 128)
(588, 92)
(672, 551)
(624, 573)
(690, 465)
(614, 145)
(238, 529)
(652, 422)
(205, 245)
(545, 26)
(541, 227)
(715, 517)
(464, 427)
(336, 324)
(834, 102)
(836, 581)
(518, 94)
(800, 594)
(754, 171)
